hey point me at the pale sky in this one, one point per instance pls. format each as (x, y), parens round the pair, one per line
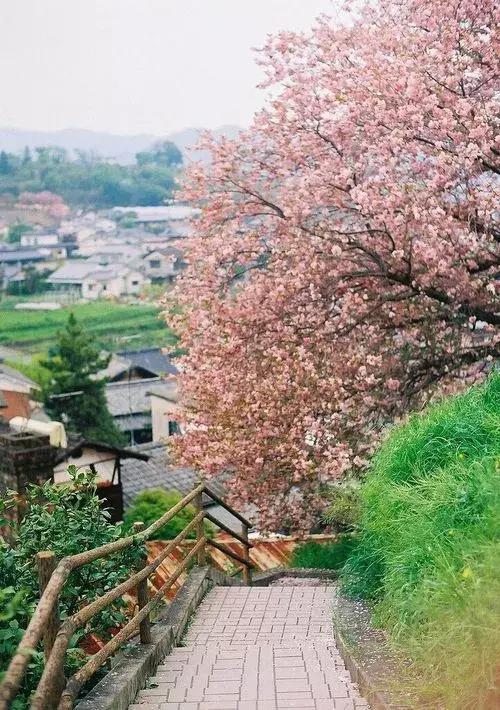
(138, 66)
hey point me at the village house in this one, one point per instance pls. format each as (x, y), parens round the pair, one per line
(113, 281)
(165, 410)
(91, 280)
(174, 218)
(132, 376)
(16, 394)
(13, 262)
(51, 244)
(28, 456)
(161, 265)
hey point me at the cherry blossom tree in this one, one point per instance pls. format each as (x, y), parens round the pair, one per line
(44, 201)
(343, 266)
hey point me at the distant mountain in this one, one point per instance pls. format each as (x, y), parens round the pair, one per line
(121, 148)
(187, 138)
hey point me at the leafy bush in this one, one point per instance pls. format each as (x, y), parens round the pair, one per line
(150, 505)
(429, 549)
(66, 519)
(323, 555)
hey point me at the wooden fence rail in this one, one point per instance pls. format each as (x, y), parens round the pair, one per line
(53, 690)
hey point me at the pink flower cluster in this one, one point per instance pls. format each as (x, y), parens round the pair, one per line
(344, 265)
(45, 201)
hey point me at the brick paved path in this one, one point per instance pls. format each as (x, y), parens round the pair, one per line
(258, 648)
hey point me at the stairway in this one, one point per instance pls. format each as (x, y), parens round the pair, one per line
(256, 648)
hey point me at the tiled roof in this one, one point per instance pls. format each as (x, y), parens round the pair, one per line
(158, 472)
(77, 270)
(159, 213)
(152, 359)
(14, 380)
(73, 271)
(132, 397)
(8, 255)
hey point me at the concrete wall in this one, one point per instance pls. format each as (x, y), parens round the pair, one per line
(163, 411)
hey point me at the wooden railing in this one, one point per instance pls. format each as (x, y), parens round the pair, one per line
(54, 690)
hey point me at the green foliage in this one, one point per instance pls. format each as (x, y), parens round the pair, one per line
(5, 164)
(163, 153)
(35, 281)
(150, 505)
(323, 555)
(33, 369)
(112, 325)
(429, 549)
(90, 181)
(344, 510)
(16, 231)
(16, 608)
(72, 393)
(66, 519)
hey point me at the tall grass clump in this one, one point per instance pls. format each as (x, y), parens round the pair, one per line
(323, 555)
(428, 556)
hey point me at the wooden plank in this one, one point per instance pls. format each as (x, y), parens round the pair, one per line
(200, 530)
(231, 510)
(142, 592)
(247, 572)
(228, 530)
(230, 553)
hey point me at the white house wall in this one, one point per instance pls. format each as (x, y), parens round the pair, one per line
(104, 465)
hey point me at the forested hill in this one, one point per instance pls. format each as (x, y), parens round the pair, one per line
(110, 146)
(90, 181)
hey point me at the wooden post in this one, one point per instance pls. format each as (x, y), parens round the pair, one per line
(200, 532)
(46, 563)
(142, 593)
(247, 571)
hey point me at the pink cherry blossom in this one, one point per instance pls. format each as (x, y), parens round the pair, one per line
(343, 266)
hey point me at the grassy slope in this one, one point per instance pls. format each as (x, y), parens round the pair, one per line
(116, 326)
(430, 546)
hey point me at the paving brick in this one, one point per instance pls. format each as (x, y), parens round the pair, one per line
(256, 649)
(294, 696)
(289, 661)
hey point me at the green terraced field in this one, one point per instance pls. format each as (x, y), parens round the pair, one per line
(115, 326)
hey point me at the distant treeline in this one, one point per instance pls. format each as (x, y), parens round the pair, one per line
(90, 181)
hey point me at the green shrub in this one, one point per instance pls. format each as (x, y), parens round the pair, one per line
(150, 505)
(323, 555)
(429, 549)
(67, 519)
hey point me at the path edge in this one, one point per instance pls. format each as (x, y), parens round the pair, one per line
(367, 656)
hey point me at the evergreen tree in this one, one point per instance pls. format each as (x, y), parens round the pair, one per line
(26, 156)
(73, 394)
(5, 166)
(16, 231)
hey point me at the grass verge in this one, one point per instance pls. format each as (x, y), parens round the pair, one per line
(429, 549)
